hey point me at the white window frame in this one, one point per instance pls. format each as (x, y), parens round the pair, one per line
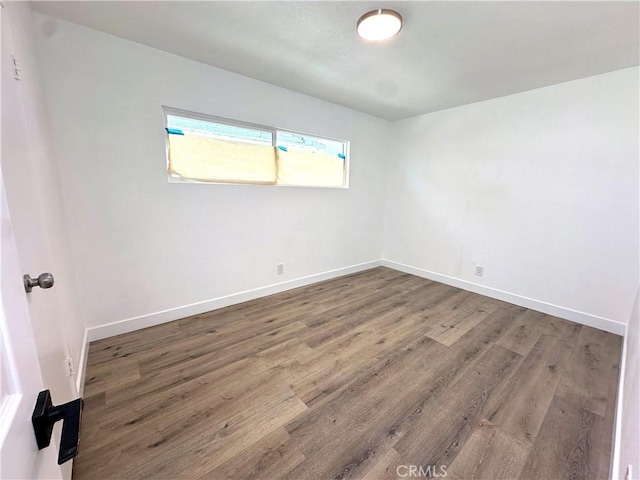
(237, 123)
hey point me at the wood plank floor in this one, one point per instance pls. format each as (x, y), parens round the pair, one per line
(364, 376)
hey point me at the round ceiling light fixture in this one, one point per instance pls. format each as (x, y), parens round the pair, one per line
(379, 24)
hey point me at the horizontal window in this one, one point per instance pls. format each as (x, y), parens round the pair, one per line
(208, 149)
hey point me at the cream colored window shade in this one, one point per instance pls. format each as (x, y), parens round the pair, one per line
(310, 169)
(204, 148)
(204, 159)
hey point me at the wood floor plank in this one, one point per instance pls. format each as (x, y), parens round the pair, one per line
(145, 410)
(370, 422)
(453, 420)
(158, 445)
(602, 440)
(567, 445)
(450, 330)
(556, 327)
(430, 297)
(520, 406)
(195, 457)
(157, 379)
(394, 415)
(269, 457)
(592, 370)
(353, 378)
(386, 467)
(489, 454)
(338, 363)
(430, 367)
(133, 344)
(345, 318)
(101, 377)
(522, 335)
(234, 340)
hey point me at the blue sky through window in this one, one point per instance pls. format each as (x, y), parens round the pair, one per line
(219, 130)
(222, 131)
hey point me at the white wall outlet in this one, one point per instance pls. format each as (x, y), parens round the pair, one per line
(479, 271)
(280, 268)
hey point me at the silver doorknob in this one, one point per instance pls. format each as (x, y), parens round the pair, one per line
(44, 280)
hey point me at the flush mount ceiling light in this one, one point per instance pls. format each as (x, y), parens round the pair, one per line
(379, 24)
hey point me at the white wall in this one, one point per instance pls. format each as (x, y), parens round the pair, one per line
(142, 245)
(541, 188)
(628, 438)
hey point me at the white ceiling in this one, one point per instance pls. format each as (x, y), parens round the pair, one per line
(447, 53)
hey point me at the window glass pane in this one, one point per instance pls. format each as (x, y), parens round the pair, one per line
(299, 141)
(192, 126)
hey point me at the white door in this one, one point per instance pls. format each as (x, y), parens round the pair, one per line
(24, 175)
(21, 377)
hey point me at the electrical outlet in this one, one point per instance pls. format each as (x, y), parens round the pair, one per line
(280, 268)
(479, 271)
(629, 474)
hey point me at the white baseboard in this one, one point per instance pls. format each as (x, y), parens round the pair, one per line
(587, 319)
(157, 318)
(82, 364)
